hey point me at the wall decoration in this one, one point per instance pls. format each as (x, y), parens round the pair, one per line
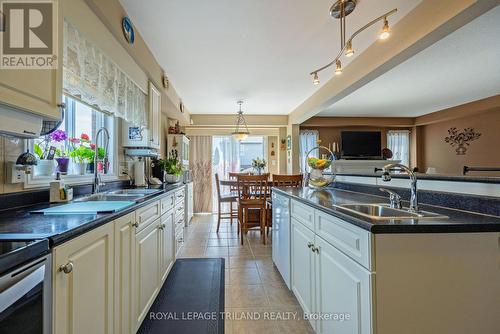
(461, 139)
(165, 82)
(128, 30)
(181, 106)
(288, 142)
(273, 153)
(283, 144)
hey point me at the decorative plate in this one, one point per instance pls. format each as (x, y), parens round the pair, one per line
(128, 30)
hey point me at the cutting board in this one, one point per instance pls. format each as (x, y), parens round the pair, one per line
(91, 207)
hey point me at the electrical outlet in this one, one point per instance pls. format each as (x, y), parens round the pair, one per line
(123, 170)
(14, 175)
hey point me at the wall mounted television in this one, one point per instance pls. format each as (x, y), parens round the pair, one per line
(361, 145)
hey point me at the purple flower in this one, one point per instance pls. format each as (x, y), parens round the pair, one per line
(58, 136)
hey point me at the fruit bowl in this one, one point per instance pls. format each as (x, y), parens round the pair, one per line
(317, 177)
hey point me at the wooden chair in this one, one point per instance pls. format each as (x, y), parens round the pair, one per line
(252, 194)
(230, 198)
(234, 176)
(295, 181)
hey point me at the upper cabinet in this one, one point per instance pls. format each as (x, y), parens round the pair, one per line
(154, 115)
(36, 90)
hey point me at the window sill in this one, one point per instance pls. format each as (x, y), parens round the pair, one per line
(44, 181)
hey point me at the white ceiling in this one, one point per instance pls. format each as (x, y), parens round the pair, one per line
(216, 52)
(462, 67)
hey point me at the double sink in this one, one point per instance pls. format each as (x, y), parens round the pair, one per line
(385, 212)
(134, 195)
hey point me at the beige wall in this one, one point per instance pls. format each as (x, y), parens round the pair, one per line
(483, 152)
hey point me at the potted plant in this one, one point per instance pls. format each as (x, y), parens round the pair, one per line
(81, 152)
(42, 150)
(172, 167)
(101, 154)
(259, 165)
(62, 159)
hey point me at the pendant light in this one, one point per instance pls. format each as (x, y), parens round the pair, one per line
(241, 130)
(340, 10)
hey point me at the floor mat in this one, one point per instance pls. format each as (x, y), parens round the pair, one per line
(191, 299)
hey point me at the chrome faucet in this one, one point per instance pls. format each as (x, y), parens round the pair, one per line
(97, 178)
(386, 176)
(394, 198)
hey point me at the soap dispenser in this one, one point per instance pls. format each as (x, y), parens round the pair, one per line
(58, 191)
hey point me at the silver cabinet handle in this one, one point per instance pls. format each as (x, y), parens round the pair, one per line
(135, 224)
(66, 268)
(162, 227)
(315, 249)
(310, 244)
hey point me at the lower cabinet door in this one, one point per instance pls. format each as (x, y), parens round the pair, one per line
(124, 273)
(167, 243)
(147, 273)
(303, 267)
(343, 292)
(83, 283)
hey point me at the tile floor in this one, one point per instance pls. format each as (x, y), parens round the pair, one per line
(254, 287)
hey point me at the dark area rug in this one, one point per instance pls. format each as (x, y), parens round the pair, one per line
(190, 301)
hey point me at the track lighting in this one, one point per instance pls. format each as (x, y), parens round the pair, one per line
(340, 10)
(316, 79)
(338, 67)
(386, 31)
(349, 51)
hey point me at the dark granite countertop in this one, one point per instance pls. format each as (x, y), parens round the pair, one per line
(434, 177)
(327, 199)
(20, 224)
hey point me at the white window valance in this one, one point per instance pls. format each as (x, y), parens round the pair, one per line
(91, 76)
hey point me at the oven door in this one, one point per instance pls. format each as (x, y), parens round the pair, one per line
(26, 298)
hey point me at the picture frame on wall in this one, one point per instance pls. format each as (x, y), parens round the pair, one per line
(289, 142)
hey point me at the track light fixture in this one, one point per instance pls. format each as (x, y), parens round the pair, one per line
(339, 10)
(316, 79)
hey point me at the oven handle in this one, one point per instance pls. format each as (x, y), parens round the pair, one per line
(12, 294)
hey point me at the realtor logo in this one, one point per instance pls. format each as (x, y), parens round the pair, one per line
(28, 31)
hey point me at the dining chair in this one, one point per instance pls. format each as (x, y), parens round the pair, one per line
(294, 181)
(252, 195)
(233, 176)
(231, 197)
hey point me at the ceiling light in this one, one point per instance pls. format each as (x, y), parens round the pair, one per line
(241, 130)
(386, 31)
(338, 67)
(315, 79)
(340, 10)
(349, 51)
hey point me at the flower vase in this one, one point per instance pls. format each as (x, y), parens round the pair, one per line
(62, 165)
(45, 167)
(81, 167)
(258, 171)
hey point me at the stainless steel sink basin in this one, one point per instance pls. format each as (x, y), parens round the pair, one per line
(110, 197)
(134, 192)
(383, 212)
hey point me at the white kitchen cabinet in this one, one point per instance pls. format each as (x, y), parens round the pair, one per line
(189, 203)
(302, 239)
(281, 235)
(166, 244)
(343, 289)
(154, 115)
(37, 91)
(124, 274)
(147, 269)
(83, 283)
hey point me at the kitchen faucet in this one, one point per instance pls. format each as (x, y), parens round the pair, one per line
(97, 178)
(386, 176)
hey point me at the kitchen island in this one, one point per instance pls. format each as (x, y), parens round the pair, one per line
(355, 274)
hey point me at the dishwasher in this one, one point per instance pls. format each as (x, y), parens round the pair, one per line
(25, 290)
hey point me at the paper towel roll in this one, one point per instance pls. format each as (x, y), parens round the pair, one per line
(139, 174)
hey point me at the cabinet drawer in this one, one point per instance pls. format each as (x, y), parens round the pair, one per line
(148, 214)
(349, 239)
(179, 241)
(167, 203)
(179, 196)
(179, 209)
(302, 213)
(179, 223)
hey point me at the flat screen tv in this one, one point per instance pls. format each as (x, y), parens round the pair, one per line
(361, 145)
